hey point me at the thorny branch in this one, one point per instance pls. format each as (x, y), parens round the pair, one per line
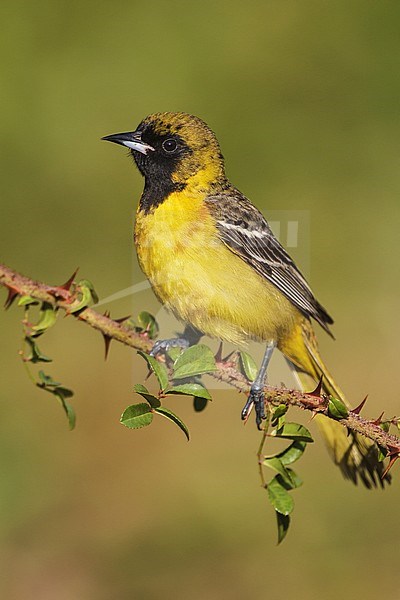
(63, 296)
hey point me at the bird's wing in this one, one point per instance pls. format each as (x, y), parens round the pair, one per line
(245, 231)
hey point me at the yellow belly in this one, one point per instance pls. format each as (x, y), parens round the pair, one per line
(202, 282)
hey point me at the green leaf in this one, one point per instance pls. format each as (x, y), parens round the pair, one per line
(279, 497)
(144, 392)
(87, 287)
(293, 431)
(382, 453)
(47, 380)
(35, 355)
(279, 411)
(283, 522)
(64, 392)
(86, 295)
(47, 318)
(62, 395)
(174, 352)
(199, 404)
(248, 365)
(190, 389)
(158, 369)
(295, 479)
(196, 360)
(137, 416)
(278, 416)
(168, 414)
(337, 409)
(148, 323)
(27, 300)
(274, 463)
(292, 453)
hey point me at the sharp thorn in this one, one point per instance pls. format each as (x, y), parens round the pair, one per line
(218, 355)
(359, 408)
(393, 450)
(379, 419)
(228, 356)
(106, 314)
(122, 319)
(318, 389)
(392, 460)
(67, 285)
(107, 342)
(12, 294)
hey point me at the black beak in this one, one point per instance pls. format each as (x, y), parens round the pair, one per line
(131, 139)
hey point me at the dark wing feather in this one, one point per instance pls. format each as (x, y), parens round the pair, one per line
(246, 232)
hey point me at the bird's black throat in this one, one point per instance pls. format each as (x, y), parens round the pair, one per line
(156, 190)
(158, 172)
(158, 167)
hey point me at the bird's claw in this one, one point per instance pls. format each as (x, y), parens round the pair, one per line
(257, 399)
(162, 346)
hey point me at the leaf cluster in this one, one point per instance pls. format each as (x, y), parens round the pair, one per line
(184, 367)
(285, 479)
(84, 294)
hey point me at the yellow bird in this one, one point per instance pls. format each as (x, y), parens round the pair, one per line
(213, 261)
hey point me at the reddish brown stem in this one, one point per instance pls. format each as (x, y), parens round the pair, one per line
(62, 298)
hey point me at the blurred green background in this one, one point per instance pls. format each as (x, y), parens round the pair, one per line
(304, 97)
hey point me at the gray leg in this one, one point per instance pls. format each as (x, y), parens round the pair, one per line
(189, 337)
(256, 396)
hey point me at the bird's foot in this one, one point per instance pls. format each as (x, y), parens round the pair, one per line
(257, 399)
(162, 346)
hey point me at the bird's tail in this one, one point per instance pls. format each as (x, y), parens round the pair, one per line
(356, 456)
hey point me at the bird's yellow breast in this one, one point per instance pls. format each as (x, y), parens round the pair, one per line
(203, 282)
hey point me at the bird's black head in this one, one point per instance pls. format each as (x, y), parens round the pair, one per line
(173, 151)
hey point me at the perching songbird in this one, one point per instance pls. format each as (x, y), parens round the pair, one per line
(213, 261)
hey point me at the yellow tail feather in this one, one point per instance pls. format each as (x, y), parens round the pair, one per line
(356, 456)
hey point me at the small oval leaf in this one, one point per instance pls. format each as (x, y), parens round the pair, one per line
(47, 380)
(26, 301)
(174, 352)
(279, 412)
(292, 453)
(283, 522)
(168, 414)
(296, 481)
(137, 416)
(159, 370)
(86, 295)
(47, 318)
(279, 497)
(148, 396)
(274, 463)
(148, 323)
(62, 394)
(248, 365)
(35, 355)
(293, 431)
(190, 389)
(196, 360)
(337, 409)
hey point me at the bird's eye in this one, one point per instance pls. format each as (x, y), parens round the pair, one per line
(169, 145)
